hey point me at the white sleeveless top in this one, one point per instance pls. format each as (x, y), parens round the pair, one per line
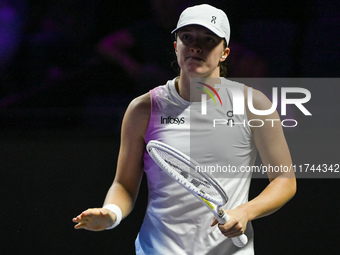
(175, 221)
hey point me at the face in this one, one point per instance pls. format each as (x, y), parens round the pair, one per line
(199, 52)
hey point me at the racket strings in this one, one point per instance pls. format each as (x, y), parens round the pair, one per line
(186, 173)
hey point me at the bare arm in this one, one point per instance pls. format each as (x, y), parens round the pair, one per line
(273, 149)
(124, 189)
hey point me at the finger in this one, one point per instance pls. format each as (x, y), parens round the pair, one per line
(214, 222)
(85, 213)
(104, 211)
(234, 235)
(77, 217)
(80, 225)
(235, 231)
(227, 228)
(81, 217)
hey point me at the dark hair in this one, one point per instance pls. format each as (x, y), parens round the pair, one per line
(223, 65)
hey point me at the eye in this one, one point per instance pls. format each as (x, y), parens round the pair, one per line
(210, 40)
(186, 37)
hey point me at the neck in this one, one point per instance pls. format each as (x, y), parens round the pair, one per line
(183, 86)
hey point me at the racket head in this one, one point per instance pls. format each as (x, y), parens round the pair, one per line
(183, 169)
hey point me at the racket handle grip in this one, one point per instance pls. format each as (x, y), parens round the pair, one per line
(239, 241)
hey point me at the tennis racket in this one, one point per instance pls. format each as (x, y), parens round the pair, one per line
(183, 170)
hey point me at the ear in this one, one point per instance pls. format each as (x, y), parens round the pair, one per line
(175, 46)
(225, 54)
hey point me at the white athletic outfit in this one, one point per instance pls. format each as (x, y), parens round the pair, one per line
(176, 222)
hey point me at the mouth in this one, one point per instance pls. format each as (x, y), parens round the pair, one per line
(195, 58)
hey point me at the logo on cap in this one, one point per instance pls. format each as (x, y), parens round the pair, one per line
(213, 19)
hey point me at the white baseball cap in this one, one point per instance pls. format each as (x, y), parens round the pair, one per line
(207, 16)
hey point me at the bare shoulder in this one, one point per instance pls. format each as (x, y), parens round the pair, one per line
(260, 100)
(136, 118)
(140, 106)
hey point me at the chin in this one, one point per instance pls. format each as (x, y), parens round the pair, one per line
(201, 74)
(197, 72)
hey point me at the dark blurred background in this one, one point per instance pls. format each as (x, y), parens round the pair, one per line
(68, 69)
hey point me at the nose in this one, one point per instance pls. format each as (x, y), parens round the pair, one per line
(195, 49)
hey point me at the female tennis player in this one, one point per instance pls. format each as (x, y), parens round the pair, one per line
(175, 222)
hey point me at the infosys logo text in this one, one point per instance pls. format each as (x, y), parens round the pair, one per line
(172, 120)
